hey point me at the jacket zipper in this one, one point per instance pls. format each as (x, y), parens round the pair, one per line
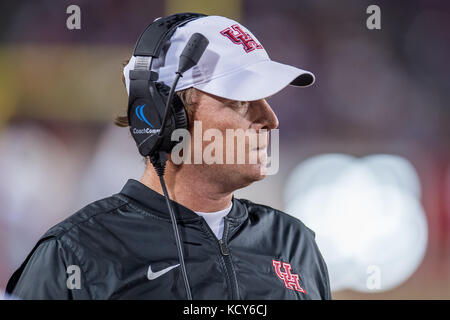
(225, 252)
(223, 248)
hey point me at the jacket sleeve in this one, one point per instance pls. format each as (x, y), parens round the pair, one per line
(46, 274)
(321, 269)
(326, 290)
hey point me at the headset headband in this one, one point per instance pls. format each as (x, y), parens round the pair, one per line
(152, 39)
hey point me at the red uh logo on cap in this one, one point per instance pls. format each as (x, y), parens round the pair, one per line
(291, 280)
(238, 36)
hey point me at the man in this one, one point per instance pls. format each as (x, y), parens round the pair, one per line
(123, 247)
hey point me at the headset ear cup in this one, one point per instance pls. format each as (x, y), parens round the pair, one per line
(181, 118)
(178, 109)
(143, 123)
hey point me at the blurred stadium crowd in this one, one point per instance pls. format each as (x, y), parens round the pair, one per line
(377, 91)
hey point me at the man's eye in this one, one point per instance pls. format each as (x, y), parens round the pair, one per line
(241, 104)
(238, 104)
(234, 104)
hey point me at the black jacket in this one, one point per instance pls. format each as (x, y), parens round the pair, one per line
(264, 254)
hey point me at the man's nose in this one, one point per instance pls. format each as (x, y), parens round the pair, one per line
(265, 118)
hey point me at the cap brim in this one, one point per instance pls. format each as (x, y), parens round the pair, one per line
(257, 81)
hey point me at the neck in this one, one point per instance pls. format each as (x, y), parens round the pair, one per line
(188, 187)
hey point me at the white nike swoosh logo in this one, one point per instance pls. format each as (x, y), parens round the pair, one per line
(153, 275)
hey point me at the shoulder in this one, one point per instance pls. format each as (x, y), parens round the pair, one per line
(274, 216)
(85, 230)
(85, 217)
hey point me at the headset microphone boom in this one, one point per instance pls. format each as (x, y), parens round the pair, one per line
(157, 102)
(189, 58)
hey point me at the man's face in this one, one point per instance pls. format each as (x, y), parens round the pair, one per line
(253, 117)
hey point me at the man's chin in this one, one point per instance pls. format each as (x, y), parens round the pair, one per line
(238, 176)
(256, 172)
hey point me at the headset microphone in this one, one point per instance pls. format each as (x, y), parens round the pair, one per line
(192, 52)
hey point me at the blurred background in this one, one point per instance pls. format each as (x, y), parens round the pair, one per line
(364, 153)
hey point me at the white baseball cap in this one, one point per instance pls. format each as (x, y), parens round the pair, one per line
(234, 65)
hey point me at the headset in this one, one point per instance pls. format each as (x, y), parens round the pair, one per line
(154, 111)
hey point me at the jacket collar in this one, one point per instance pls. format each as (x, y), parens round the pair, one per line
(155, 203)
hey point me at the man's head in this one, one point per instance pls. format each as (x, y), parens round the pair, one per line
(226, 91)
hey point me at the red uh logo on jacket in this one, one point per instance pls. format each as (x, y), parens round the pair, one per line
(291, 280)
(238, 36)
